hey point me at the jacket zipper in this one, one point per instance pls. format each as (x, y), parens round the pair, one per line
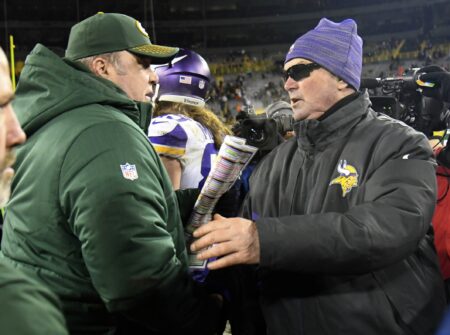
(309, 158)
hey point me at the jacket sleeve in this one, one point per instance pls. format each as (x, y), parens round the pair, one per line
(393, 213)
(123, 219)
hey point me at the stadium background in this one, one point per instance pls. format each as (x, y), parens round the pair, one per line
(245, 41)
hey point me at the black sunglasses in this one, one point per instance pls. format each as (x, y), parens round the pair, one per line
(300, 71)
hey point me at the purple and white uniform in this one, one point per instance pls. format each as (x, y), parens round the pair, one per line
(192, 144)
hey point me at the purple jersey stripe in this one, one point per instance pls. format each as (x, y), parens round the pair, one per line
(175, 138)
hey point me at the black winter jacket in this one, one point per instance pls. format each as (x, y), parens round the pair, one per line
(343, 214)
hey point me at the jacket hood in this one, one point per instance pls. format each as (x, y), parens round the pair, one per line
(50, 86)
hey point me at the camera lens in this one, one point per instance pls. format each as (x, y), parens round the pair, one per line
(256, 135)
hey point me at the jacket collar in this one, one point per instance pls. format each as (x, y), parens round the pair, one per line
(336, 123)
(145, 115)
(139, 112)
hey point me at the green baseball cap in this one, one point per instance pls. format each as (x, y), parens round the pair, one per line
(110, 32)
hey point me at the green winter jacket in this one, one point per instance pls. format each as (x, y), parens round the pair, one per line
(27, 308)
(92, 213)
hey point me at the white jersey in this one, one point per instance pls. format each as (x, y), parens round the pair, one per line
(192, 144)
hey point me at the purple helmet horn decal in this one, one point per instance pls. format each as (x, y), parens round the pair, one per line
(186, 79)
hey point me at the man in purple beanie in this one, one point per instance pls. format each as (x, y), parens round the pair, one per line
(338, 219)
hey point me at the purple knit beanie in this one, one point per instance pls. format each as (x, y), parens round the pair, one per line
(335, 46)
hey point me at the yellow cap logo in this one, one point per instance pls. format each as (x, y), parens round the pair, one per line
(348, 177)
(141, 29)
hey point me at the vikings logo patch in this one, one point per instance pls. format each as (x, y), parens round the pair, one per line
(348, 177)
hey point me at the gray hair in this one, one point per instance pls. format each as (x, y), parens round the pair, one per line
(112, 57)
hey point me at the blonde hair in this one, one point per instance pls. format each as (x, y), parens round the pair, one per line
(200, 114)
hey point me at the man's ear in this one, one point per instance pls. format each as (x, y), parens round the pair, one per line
(99, 67)
(342, 84)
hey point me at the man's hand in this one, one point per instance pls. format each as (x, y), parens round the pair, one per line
(441, 79)
(234, 240)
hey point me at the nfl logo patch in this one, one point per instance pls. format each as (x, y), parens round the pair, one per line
(129, 171)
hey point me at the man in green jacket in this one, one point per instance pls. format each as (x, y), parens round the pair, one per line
(93, 214)
(26, 307)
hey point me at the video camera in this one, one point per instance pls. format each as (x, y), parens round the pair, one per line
(261, 131)
(402, 99)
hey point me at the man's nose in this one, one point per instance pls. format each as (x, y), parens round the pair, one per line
(15, 134)
(153, 78)
(290, 84)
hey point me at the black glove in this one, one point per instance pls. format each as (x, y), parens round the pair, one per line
(237, 128)
(438, 76)
(230, 202)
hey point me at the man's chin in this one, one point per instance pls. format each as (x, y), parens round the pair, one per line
(5, 185)
(4, 196)
(299, 116)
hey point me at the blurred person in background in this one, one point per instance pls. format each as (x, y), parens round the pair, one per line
(441, 219)
(93, 214)
(27, 307)
(337, 219)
